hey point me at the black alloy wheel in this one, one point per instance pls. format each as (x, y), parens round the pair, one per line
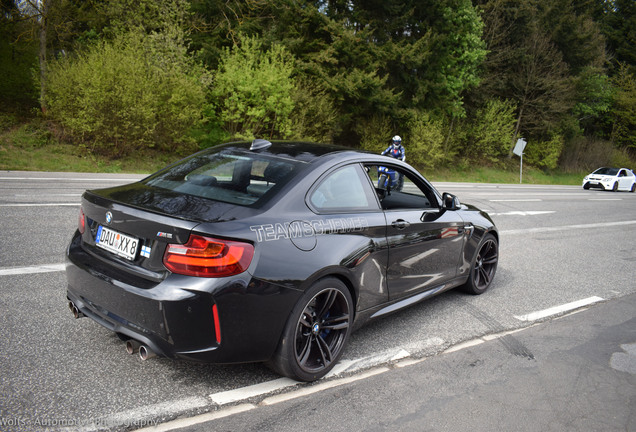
(316, 333)
(483, 269)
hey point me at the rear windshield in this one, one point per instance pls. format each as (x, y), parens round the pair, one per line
(230, 176)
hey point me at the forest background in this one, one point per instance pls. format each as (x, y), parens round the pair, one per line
(460, 81)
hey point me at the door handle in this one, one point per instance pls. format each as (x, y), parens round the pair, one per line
(400, 224)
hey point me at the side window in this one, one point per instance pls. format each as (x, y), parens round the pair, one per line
(398, 190)
(343, 190)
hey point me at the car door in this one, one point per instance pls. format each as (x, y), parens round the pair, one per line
(351, 231)
(424, 241)
(624, 180)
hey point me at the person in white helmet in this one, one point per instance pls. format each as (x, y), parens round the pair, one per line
(396, 149)
(389, 177)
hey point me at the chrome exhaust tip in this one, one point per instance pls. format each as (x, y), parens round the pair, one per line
(132, 346)
(145, 353)
(74, 310)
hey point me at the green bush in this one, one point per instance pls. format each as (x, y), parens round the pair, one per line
(544, 154)
(375, 133)
(426, 144)
(314, 117)
(490, 136)
(253, 90)
(138, 91)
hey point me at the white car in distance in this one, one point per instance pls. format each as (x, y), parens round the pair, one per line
(614, 179)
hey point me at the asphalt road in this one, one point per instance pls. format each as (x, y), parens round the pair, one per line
(561, 247)
(576, 373)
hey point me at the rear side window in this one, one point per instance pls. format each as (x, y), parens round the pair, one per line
(344, 190)
(231, 177)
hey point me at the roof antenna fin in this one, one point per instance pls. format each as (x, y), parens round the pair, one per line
(260, 144)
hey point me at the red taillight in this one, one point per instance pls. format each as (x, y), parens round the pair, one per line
(208, 257)
(81, 225)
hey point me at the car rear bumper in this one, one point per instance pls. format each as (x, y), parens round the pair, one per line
(175, 317)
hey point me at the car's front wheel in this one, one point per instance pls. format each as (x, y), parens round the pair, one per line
(615, 187)
(484, 266)
(316, 332)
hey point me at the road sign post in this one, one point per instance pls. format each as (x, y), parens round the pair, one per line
(518, 150)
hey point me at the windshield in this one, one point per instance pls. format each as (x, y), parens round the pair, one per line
(606, 171)
(231, 176)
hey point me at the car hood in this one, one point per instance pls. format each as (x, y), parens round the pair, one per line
(169, 203)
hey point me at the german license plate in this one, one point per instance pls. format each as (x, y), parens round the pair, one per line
(116, 242)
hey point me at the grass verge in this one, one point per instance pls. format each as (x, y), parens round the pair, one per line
(27, 147)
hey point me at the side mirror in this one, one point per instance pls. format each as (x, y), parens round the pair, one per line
(450, 201)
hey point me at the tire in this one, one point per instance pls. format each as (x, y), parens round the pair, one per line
(382, 182)
(615, 187)
(633, 187)
(484, 266)
(586, 186)
(316, 332)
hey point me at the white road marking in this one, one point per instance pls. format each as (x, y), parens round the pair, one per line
(46, 268)
(517, 200)
(41, 205)
(244, 393)
(523, 213)
(192, 421)
(137, 417)
(566, 228)
(344, 366)
(605, 199)
(305, 391)
(559, 309)
(50, 195)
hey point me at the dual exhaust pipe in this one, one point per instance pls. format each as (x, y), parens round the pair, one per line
(132, 346)
(75, 310)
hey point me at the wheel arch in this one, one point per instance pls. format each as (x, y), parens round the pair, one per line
(343, 276)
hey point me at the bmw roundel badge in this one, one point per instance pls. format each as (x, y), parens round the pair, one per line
(109, 217)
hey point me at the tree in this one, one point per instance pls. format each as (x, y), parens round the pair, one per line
(624, 131)
(525, 66)
(55, 24)
(618, 20)
(371, 58)
(18, 57)
(429, 50)
(576, 34)
(38, 11)
(594, 98)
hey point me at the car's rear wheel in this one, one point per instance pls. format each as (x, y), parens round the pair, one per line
(484, 266)
(633, 187)
(316, 332)
(615, 187)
